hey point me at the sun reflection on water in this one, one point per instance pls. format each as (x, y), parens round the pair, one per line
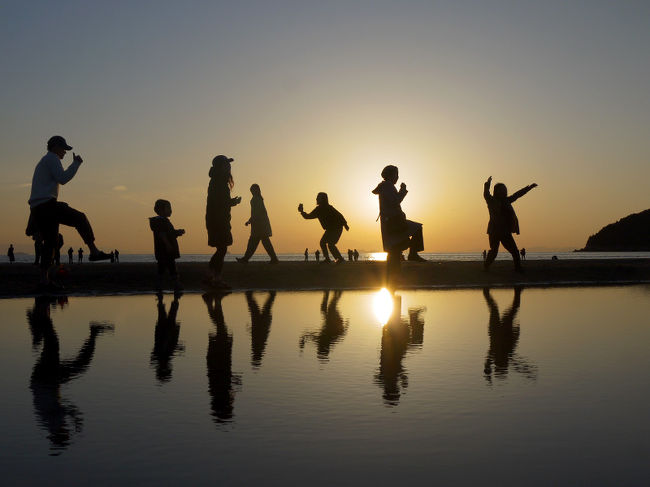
(382, 305)
(378, 256)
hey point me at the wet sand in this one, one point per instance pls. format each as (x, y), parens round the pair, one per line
(104, 278)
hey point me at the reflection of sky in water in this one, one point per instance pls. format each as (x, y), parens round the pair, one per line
(261, 387)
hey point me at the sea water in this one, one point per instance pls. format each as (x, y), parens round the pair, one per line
(465, 387)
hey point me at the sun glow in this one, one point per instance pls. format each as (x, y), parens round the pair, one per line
(377, 256)
(383, 306)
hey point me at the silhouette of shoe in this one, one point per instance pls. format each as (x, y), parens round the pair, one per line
(416, 258)
(99, 255)
(274, 261)
(340, 261)
(241, 260)
(326, 261)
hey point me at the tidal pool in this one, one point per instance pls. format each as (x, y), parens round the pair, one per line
(464, 387)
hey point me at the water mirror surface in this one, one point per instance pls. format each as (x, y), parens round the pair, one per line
(494, 387)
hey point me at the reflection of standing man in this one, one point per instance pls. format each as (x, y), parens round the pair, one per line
(58, 417)
(332, 330)
(504, 336)
(70, 253)
(80, 254)
(221, 380)
(260, 326)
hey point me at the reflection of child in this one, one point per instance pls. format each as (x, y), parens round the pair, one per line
(164, 241)
(503, 220)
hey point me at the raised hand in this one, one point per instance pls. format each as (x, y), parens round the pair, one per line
(347, 229)
(76, 158)
(402, 186)
(300, 208)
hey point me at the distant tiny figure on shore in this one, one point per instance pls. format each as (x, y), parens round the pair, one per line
(260, 228)
(484, 254)
(332, 222)
(217, 216)
(356, 255)
(397, 233)
(80, 255)
(48, 213)
(306, 255)
(117, 256)
(350, 255)
(70, 254)
(10, 253)
(503, 221)
(165, 242)
(317, 255)
(523, 254)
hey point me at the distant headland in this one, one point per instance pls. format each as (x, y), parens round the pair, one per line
(629, 234)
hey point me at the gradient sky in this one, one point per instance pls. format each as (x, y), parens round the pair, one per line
(319, 96)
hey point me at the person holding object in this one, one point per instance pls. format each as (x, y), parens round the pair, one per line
(260, 228)
(165, 242)
(217, 216)
(503, 221)
(47, 212)
(397, 233)
(332, 222)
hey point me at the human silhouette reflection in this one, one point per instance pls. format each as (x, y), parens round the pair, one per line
(504, 336)
(332, 330)
(398, 336)
(222, 383)
(260, 326)
(166, 334)
(59, 417)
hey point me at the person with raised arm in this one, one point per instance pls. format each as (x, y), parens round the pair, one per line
(47, 213)
(503, 221)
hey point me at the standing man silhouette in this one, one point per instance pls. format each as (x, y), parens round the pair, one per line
(47, 212)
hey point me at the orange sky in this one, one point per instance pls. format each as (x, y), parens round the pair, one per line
(320, 99)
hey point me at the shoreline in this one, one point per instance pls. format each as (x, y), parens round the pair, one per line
(101, 279)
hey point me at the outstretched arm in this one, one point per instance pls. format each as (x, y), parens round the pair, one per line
(486, 188)
(521, 192)
(308, 216)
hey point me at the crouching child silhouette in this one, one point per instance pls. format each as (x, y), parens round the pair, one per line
(503, 221)
(332, 222)
(165, 242)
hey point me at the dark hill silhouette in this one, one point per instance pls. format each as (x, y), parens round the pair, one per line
(629, 234)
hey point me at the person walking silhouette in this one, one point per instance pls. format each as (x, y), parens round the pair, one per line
(217, 216)
(260, 228)
(332, 222)
(503, 221)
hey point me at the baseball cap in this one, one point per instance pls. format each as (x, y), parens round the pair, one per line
(221, 159)
(58, 141)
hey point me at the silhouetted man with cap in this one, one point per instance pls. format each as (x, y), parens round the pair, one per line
(47, 212)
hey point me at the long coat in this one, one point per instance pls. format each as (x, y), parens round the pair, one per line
(217, 212)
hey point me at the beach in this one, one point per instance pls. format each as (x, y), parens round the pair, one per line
(135, 278)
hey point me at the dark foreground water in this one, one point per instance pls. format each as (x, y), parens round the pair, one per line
(476, 387)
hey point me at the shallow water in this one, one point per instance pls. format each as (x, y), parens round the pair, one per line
(464, 387)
